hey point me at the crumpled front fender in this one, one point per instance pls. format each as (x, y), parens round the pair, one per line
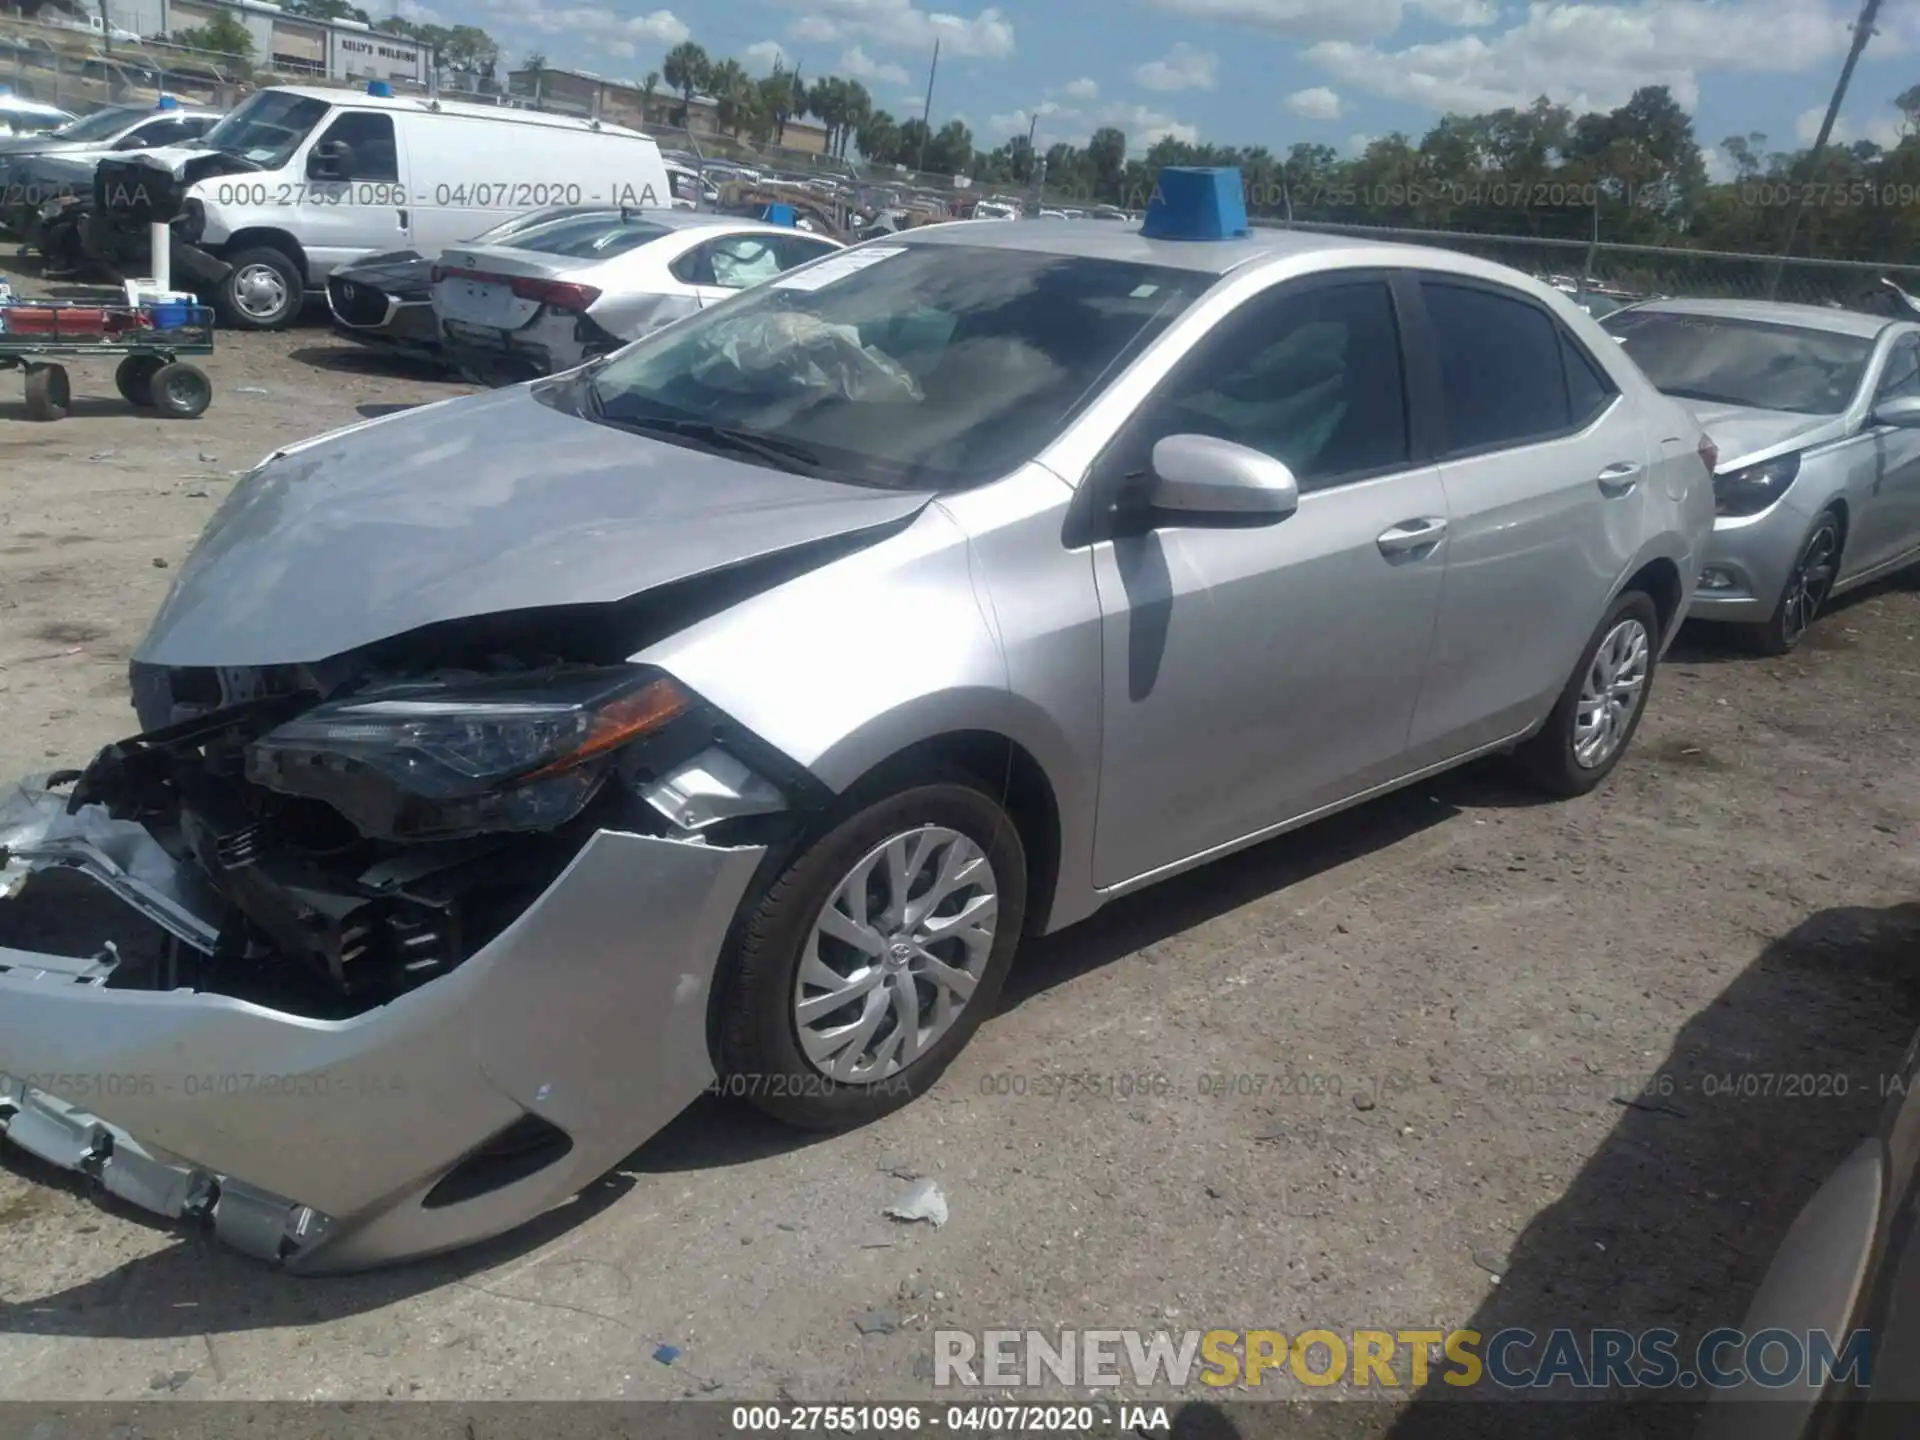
(317, 1142)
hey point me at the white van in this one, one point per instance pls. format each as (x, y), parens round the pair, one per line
(298, 181)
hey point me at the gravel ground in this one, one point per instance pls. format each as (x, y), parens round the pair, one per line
(1735, 900)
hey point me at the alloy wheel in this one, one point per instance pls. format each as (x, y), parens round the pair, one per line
(1610, 696)
(1808, 585)
(896, 954)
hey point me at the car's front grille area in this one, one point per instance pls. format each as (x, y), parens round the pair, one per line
(357, 304)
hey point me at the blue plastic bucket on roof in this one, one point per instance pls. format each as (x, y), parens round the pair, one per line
(1192, 202)
(779, 215)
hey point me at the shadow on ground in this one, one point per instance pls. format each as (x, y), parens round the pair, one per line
(1690, 1186)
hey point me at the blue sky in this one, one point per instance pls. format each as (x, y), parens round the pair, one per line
(1257, 71)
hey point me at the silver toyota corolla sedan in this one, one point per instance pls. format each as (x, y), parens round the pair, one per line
(732, 706)
(1816, 413)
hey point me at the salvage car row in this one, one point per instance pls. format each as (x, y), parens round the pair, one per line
(735, 702)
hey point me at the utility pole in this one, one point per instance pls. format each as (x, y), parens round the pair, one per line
(106, 39)
(1862, 32)
(926, 117)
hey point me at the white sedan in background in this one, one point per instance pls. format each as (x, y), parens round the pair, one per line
(579, 286)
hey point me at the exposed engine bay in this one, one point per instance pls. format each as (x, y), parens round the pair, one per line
(371, 822)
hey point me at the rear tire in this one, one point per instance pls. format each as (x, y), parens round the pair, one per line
(1592, 723)
(790, 961)
(1806, 590)
(181, 391)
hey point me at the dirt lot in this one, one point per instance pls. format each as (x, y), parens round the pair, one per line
(1736, 900)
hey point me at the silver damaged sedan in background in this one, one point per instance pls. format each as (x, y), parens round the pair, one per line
(734, 704)
(1816, 414)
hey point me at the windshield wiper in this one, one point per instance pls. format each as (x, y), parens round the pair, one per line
(782, 454)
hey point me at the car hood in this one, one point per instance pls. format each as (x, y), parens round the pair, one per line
(1745, 435)
(475, 506)
(39, 145)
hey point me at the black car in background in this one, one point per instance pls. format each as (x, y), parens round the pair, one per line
(385, 301)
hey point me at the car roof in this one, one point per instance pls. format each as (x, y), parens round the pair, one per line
(1104, 240)
(1775, 312)
(421, 104)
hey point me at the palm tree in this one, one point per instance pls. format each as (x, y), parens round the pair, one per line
(687, 69)
(855, 105)
(733, 95)
(535, 65)
(826, 100)
(782, 96)
(647, 87)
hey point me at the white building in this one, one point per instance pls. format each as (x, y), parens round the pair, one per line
(337, 49)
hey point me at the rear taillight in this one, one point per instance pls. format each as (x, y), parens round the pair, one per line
(559, 293)
(1709, 453)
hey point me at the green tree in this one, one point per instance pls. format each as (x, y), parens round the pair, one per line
(951, 151)
(878, 139)
(222, 35)
(327, 10)
(688, 70)
(1107, 159)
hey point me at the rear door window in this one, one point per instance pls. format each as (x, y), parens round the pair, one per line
(1500, 365)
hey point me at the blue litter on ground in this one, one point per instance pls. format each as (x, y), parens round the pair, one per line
(666, 1354)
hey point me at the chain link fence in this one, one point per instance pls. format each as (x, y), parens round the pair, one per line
(1641, 271)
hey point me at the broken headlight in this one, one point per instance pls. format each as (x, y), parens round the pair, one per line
(432, 761)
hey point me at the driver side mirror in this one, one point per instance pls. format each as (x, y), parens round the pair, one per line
(1902, 413)
(330, 160)
(1200, 480)
(131, 142)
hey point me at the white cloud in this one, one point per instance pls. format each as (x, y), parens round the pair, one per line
(605, 30)
(1184, 67)
(856, 64)
(1085, 88)
(1720, 166)
(1358, 142)
(1884, 131)
(1056, 121)
(902, 25)
(1145, 127)
(769, 55)
(1593, 56)
(1296, 19)
(1319, 103)
(813, 30)
(1467, 14)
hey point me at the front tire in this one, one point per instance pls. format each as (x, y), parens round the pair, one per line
(1808, 585)
(1597, 714)
(865, 968)
(263, 291)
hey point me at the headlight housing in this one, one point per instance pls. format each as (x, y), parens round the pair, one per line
(1753, 489)
(433, 761)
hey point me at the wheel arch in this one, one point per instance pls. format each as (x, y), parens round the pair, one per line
(266, 237)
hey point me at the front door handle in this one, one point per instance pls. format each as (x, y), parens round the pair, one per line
(1412, 536)
(1617, 480)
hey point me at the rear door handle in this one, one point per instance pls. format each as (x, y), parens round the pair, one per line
(1617, 480)
(1411, 536)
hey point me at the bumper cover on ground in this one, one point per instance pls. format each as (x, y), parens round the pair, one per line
(316, 1142)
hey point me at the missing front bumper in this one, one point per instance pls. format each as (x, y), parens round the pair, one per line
(318, 1143)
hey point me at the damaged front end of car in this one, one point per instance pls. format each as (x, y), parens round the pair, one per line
(434, 930)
